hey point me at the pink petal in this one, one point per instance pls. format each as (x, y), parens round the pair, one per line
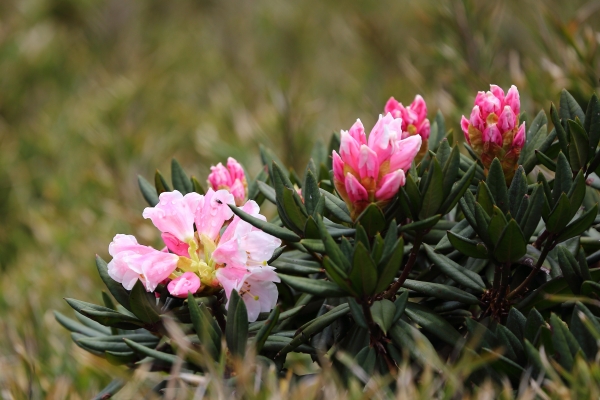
(519, 139)
(476, 119)
(175, 245)
(338, 167)
(464, 125)
(231, 253)
(512, 99)
(498, 92)
(357, 132)
(184, 284)
(238, 190)
(368, 165)
(213, 213)
(424, 130)
(231, 278)
(492, 134)
(406, 153)
(506, 122)
(356, 191)
(236, 171)
(393, 107)
(349, 149)
(156, 267)
(490, 104)
(173, 214)
(219, 177)
(390, 184)
(419, 107)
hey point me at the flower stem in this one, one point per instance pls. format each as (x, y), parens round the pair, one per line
(549, 246)
(393, 289)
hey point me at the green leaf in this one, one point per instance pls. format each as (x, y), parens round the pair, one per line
(315, 287)
(267, 191)
(198, 188)
(450, 170)
(157, 355)
(456, 272)
(206, 328)
(569, 108)
(532, 325)
(315, 326)
(265, 331)
(545, 160)
(560, 216)
(578, 226)
(179, 178)
(497, 185)
(433, 323)
(271, 229)
(421, 225)
(357, 313)
(579, 146)
(482, 225)
(413, 194)
(114, 287)
(577, 193)
(560, 130)
(148, 191)
(383, 314)
(485, 198)
(160, 183)
(559, 341)
(113, 319)
(143, 304)
(311, 193)
(364, 271)
(337, 275)
(517, 190)
(516, 323)
(361, 236)
(497, 225)
(293, 211)
(433, 196)
(76, 327)
(400, 305)
(467, 246)
(533, 213)
(372, 220)
(332, 249)
(512, 245)
(336, 206)
(563, 178)
(236, 332)
(440, 291)
(388, 270)
(566, 266)
(458, 190)
(592, 122)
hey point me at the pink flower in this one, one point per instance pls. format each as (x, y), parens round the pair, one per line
(256, 287)
(231, 178)
(174, 217)
(367, 171)
(493, 129)
(212, 212)
(414, 117)
(132, 261)
(180, 286)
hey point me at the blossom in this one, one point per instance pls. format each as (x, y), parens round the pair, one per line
(132, 261)
(372, 170)
(414, 120)
(231, 178)
(184, 284)
(493, 131)
(213, 250)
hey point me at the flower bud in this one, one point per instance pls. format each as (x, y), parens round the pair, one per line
(414, 120)
(373, 171)
(493, 130)
(180, 286)
(231, 178)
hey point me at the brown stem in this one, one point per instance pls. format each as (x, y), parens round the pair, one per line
(549, 246)
(393, 289)
(538, 242)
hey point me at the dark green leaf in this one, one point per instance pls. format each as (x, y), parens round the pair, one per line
(592, 122)
(533, 213)
(206, 328)
(158, 355)
(467, 246)
(372, 220)
(533, 324)
(143, 304)
(236, 333)
(114, 287)
(517, 190)
(265, 331)
(332, 249)
(440, 291)
(559, 341)
(316, 287)
(198, 188)
(579, 146)
(148, 191)
(512, 245)
(179, 178)
(545, 160)
(497, 225)
(568, 272)
(271, 229)
(458, 190)
(433, 196)
(569, 108)
(400, 305)
(578, 226)
(267, 191)
(311, 194)
(160, 183)
(485, 198)
(364, 271)
(450, 170)
(389, 269)
(383, 314)
(560, 130)
(421, 225)
(357, 313)
(433, 323)
(497, 185)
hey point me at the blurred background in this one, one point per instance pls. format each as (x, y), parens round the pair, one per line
(93, 93)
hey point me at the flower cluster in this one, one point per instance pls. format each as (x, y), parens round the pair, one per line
(493, 128)
(231, 178)
(414, 120)
(207, 249)
(372, 170)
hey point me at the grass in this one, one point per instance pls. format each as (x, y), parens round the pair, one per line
(94, 93)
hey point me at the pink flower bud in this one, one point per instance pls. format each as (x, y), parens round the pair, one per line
(368, 165)
(492, 128)
(357, 132)
(519, 140)
(393, 107)
(356, 191)
(231, 178)
(390, 184)
(338, 167)
(404, 156)
(184, 284)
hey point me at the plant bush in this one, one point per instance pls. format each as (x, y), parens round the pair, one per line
(403, 248)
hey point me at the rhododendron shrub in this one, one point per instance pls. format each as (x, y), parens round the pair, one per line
(378, 253)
